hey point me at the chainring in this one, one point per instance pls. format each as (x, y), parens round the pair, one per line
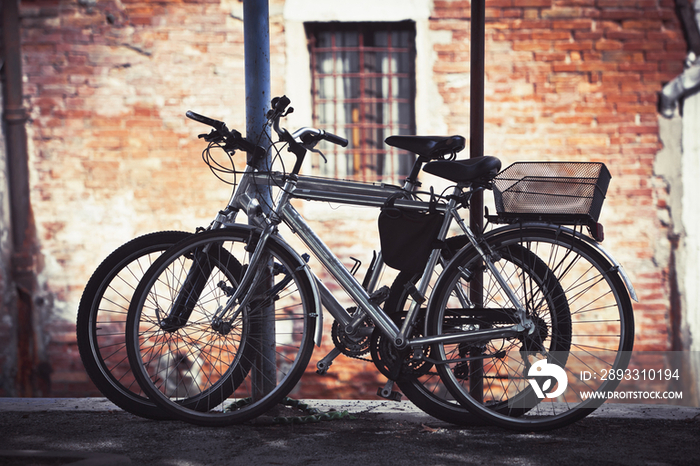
(387, 357)
(351, 345)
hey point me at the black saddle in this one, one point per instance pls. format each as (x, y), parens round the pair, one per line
(461, 171)
(429, 147)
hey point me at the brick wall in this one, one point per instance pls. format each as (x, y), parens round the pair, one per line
(113, 157)
(577, 80)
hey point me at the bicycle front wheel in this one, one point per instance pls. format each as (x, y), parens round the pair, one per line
(237, 367)
(582, 324)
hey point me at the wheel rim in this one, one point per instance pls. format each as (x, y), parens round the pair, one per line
(597, 300)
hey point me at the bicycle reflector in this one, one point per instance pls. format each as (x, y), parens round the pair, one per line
(597, 231)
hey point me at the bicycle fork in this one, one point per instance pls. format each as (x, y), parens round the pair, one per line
(243, 294)
(189, 293)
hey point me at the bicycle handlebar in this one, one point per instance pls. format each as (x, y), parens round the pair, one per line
(311, 136)
(233, 139)
(335, 139)
(302, 140)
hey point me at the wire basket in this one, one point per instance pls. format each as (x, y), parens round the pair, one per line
(567, 191)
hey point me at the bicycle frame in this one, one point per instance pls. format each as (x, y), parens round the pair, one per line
(348, 192)
(294, 186)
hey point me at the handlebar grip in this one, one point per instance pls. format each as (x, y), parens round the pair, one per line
(218, 125)
(335, 139)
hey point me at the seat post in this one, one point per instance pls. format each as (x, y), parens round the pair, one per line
(412, 179)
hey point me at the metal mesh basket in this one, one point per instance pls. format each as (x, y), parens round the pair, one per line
(564, 190)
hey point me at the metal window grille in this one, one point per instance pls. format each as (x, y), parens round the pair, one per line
(364, 90)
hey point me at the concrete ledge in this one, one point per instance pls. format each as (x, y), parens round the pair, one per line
(404, 409)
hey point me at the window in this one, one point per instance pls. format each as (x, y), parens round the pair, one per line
(363, 86)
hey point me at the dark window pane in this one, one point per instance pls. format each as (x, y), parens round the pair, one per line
(363, 91)
(348, 62)
(349, 88)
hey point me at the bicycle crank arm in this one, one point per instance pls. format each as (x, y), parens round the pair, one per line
(323, 365)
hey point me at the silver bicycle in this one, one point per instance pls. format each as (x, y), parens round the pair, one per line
(228, 318)
(101, 319)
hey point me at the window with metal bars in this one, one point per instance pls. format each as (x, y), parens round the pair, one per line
(363, 86)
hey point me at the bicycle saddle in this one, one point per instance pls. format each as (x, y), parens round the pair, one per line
(431, 147)
(460, 171)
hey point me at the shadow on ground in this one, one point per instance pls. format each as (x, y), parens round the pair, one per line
(363, 439)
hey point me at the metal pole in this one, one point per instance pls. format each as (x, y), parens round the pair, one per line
(476, 149)
(256, 36)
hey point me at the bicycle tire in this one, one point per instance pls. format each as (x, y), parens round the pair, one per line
(222, 359)
(602, 335)
(427, 390)
(101, 320)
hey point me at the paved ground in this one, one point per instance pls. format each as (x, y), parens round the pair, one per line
(92, 431)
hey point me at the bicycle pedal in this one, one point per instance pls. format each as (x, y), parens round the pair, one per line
(388, 394)
(414, 293)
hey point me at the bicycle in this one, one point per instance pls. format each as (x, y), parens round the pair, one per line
(101, 318)
(207, 304)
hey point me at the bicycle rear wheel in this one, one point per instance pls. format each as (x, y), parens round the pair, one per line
(238, 368)
(101, 321)
(533, 381)
(425, 388)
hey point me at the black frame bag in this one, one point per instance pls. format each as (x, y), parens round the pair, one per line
(408, 237)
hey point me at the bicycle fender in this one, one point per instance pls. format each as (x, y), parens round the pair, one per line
(578, 235)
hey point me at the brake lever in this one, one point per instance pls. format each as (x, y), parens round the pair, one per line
(325, 160)
(214, 135)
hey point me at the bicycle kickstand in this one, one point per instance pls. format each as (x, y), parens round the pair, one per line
(323, 365)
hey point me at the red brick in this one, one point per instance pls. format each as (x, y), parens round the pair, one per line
(622, 14)
(533, 45)
(573, 24)
(532, 3)
(643, 24)
(582, 45)
(574, 119)
(605, 44)
(551, 35)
